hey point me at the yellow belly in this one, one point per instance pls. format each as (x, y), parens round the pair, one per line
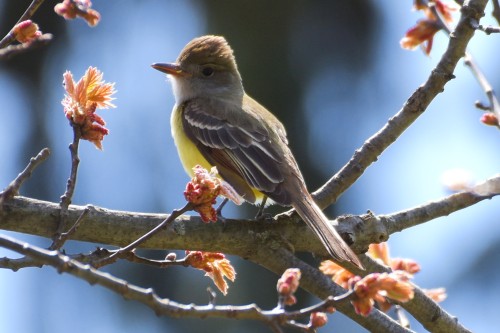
(189, 154)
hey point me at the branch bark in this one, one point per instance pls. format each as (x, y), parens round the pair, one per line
(239, 237)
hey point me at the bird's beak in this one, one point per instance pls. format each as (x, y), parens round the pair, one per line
(170, 68)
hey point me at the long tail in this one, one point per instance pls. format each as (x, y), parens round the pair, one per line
(319, 223)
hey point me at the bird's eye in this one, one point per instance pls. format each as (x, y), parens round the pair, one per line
(207, 71)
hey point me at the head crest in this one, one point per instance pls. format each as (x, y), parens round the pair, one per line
(208, 49)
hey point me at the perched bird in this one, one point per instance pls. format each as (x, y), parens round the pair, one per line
(215, 123)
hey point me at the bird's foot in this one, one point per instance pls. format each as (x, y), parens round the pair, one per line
(221, 218)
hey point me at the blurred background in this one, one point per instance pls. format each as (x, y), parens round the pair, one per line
(332, 72)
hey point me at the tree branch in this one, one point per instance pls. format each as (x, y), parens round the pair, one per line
(494, 105)
(496, 10)
(409, 218)
(239, 237)
(133, 245)
(486, 29)
(58, 239)
(413, 108)
(168, 307)
(13, 50)
(9, 38)
(474, 68)
(13, 188)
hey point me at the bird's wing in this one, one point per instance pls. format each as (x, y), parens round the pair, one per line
(239, 143)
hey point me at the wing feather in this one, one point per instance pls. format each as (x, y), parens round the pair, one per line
(239, 144)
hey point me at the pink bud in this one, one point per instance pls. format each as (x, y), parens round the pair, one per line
(26, 31)
(318, 319)
(489, 119)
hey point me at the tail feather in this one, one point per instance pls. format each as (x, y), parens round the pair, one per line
(319, 223)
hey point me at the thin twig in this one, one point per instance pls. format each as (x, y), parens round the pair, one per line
(322, 306)
(399, 221)
(67, 197)
(13, 188)
(95, 256)
(9, 38)
(13, 50)
(30, 11)
(485, 85)
(303, 327)
(19, 263)
(489, 29)
(471, 64)
(161, 306)
(133, 257)
(120, 252)
(479, 105)
(58, 242)
(496, 10)
(24, 262)
(75, 226)
(370, 228)
(75, 161)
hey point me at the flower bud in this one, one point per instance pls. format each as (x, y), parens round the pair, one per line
(171, 256)
(318, 319)
(26, 31)
(489, 119)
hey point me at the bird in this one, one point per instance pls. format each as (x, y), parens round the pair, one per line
(215, 123)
